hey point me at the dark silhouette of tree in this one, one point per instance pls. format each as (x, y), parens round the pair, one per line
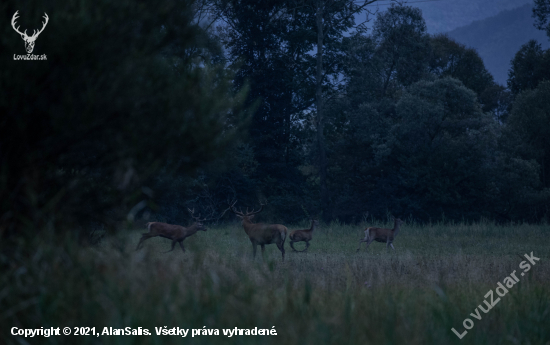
(83, 133)
(530, 66)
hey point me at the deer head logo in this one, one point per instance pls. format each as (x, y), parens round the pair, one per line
(29, 40)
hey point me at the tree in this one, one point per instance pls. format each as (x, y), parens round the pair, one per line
(84, 131)
(530, 66)
(529, 120)
(402, 46)
(452, 59)
(274, 39)
(541, 12)
(332, 18)
(428, 155)
(268, 43)
(440, 145)
(498, 100)
(361, 69)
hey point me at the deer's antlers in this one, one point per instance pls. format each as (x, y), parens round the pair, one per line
(13, 19)
(196, 218)
(248, 213)
(34, 33)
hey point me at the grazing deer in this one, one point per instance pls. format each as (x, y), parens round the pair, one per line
(381, 235)
(262, 234)
(176, 233)
(303, 235)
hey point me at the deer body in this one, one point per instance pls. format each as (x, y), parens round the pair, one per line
(176, 233)
(305, 235)
(381, 235)
(262, 234)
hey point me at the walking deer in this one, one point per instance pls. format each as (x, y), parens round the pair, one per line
(381, 235)
(261, 234)
(305, 235)
(176, 233)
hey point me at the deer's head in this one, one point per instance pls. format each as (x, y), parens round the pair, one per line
(29, 40)
(198, 221)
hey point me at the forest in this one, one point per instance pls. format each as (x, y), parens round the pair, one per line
(199, 104)
(336, 117)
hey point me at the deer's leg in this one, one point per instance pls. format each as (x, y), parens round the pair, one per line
(143, 238)
(181, 245)
(369, 241)
(281, 246)
(361, 241)
(366, 239)
(391, 244)
(303, 250)
(140, 242)
(254, 249)
(263, 251)
(292, 246)
(173, 245)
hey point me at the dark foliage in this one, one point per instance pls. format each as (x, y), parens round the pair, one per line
(541, 12)
(416, 128)
(82, 133)
(530, 66)
(127, 120)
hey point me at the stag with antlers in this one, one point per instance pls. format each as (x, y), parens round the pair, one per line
(29, 40)
(176, 233)
(259, 233)
(381, 235)
(305, 235)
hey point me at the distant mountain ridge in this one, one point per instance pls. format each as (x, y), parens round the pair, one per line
(498, 38)
(447, 15)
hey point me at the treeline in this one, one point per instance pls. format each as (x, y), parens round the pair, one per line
(143, 111)
(414, 126)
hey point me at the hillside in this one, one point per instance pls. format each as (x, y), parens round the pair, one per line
(498, 38)
(447, 15)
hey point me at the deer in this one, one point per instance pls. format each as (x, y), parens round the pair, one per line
(259, 233)
(381, 235)
(29, 40)
(176, 233)
(305, 235)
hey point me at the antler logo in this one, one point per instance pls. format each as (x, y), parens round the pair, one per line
(29, 40)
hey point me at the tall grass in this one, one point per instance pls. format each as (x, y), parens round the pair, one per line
(436, 277)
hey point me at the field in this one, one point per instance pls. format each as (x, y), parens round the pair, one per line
(432, 282)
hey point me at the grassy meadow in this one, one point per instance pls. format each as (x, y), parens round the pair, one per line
(331, 294)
